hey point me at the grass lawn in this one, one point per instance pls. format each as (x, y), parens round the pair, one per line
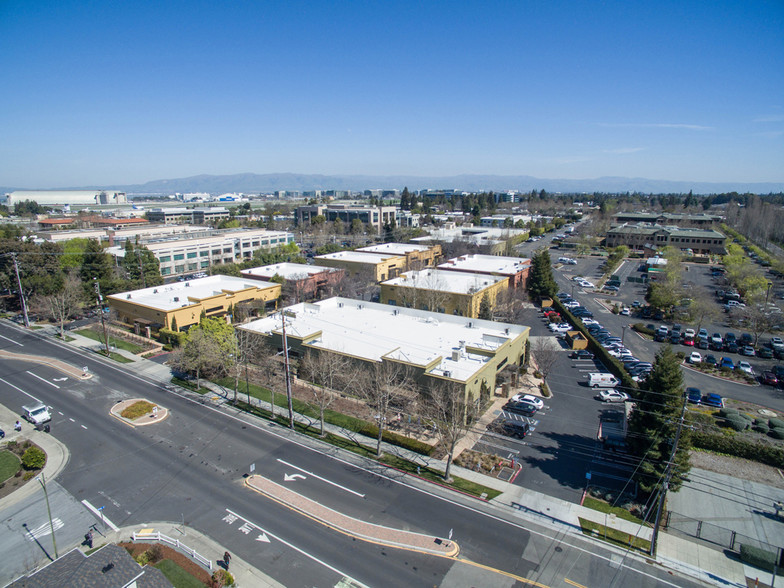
(614, 536)
(113, 341)
(116, 357)
(177, 576)
(137, 409)
(189, 385)
(621, 513)
(9, 465)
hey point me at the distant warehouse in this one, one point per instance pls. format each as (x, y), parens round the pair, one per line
(63, 197)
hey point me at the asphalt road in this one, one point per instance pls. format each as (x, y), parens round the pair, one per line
(190, 468)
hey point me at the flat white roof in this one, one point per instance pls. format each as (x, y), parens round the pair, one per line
(357, 257)
(394, 248)
(371, 331)
(488, 263)
(179, 294)
(287, 271)
(445, 281)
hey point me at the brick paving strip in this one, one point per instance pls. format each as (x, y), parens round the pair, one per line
(66, 368)
(351, 526)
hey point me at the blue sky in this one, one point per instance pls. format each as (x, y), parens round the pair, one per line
(123, 92)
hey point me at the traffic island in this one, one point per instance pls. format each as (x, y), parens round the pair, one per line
(139, 412)
(350, 526)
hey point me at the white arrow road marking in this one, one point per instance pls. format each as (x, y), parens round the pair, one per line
(299, 550)
(43, 380)
(320, 478)
(289, 478)
(263, 538)
(44, 530)
(59, 379)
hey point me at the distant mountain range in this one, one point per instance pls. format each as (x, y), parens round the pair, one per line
(251, 183)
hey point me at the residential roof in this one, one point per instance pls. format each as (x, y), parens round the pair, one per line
(111, 565)
(445, 281)
(287, 271)
(373, 331)
(57, 221)
(180, 294)
(394, 248)
(357, 257)
(488, 263)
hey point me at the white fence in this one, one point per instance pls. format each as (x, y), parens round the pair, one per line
(174, 543)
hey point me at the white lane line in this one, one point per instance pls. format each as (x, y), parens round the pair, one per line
(12, 341)
(70, 419)
(61, 414)
(43, 379)
(320, 478)
(83, 427)
(297, 549)
(17, 388)
(588, 551)
(103, 518)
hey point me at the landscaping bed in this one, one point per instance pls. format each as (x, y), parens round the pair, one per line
(20, 462)
(186, 573)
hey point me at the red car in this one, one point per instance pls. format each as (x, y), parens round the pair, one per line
(770, 379)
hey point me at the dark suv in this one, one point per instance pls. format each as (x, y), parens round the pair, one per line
(515, 429)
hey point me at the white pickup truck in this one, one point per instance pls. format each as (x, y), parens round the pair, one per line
(37, 413)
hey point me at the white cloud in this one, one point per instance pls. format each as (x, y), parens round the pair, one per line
(767, 119)
(623, 150)
(659, 126)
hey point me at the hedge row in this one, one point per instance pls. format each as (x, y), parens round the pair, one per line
(169, 337)
(761, 452)
(611, 363)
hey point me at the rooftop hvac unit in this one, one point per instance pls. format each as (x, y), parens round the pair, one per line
(455, 355)
(394, 312)
(447, 374)
(155, 291)
(340, 305)
(506, 331)
(359, 307)
(176, 299)
(128, 297)
(470, 325)
(187, 284)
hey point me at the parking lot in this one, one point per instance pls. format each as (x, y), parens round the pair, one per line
(561, 449)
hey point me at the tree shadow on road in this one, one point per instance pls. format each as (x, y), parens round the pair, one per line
(563, 457)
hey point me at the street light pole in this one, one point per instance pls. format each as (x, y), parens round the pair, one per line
(623, 333)
(100, 311)
(42, 480)
(21, 294)
(767, 294)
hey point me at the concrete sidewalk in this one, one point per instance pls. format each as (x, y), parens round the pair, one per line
(688, 557)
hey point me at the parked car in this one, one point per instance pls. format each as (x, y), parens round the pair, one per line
(602, 380)
(522, 408)
(702, 333)
(717, 342)
(769, 379)
(777, 343)
(613, 396)
(695, 357)
(746, 339)
(559, 327)
(611, 288)
(582, 354)
(694, 395)
(710, 360)
(517, 429)
(713, 399)
(747, 350)
(532, 400)
(765, 353)
(625, 311)
(745, 367)
(636, 304)
(702, 343)
(726, 362)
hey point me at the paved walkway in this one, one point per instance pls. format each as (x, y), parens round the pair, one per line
(687, 557)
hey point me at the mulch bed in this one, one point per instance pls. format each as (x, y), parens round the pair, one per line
(15, 482)
(186, 563)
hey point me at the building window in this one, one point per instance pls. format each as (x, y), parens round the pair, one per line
(165, 271)
(216, 251)
(204, 253)
(227, 249)
(192, 255)
(205, 264)
(179, 257)
(164, 259)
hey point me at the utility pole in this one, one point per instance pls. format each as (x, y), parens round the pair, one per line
(667, 477)
(42, 480)
(21, 294)
(100, 311)
(286, 369)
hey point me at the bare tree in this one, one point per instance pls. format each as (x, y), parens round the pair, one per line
(702, 309)
(545, 352)
(387, 384)
(61, 305)
(452, 416)
(330, 374)
(510, 305)
(248, 345)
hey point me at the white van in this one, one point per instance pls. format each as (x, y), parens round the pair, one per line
(600, 380)
(37, 413)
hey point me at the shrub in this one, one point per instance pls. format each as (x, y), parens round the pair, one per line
(641, 328)
(222, 577)
(155, 553)
(169, 337)
(143, 558)
(776, 423)
(732, 445)
(737, 423)
(777, 433)
(759, 558)
(745, 416)
(29, 476)
(727, 412)
(545, 389)
(33, 459)
(764, 429)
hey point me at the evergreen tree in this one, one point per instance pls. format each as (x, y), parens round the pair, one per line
(485, 310)
(541, 282)
(654, 422)
(144, 269)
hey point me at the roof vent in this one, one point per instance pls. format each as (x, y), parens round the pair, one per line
(187, 284)
(506, 331)
(128, 297)
(176, 298)
(155, 291)
(340, 305)
(455, 355)
(470, 325)
(447, 374)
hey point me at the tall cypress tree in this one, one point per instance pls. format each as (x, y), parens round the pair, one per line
(653, 424)
(541, 282)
